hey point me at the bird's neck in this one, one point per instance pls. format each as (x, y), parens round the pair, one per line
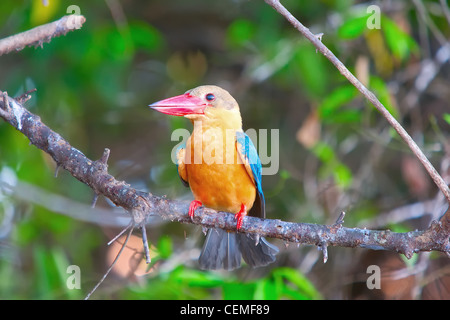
(223, 119)
(213, 139)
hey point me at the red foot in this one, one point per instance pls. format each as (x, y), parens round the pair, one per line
(240, 216)
(193, 206)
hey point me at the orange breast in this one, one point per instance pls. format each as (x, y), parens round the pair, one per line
(220, 185)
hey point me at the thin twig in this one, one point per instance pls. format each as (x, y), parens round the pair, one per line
(25, 96)
(148, 260)
(429, 22)
(367, 93)
(94, 200)
(56, 171)
(446, 10)
(120, 233)
(37, 36)
(112, 264)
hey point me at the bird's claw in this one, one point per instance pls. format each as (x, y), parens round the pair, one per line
(193, 206)
(240, 216)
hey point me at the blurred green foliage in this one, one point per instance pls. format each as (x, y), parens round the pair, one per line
(94, 85)
(183, 283)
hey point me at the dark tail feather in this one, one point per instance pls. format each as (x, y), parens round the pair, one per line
(256, 253)
(222, 250)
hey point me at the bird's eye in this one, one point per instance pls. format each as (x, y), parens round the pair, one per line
(210, 97)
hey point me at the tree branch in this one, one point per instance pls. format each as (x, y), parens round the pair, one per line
(37, 36)
(141, 205)
(370, 96)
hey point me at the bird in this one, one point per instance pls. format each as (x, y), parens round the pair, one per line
(220, 164)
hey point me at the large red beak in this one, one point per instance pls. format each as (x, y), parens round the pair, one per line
(180, 105)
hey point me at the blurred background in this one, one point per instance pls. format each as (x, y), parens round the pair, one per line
(336, 153)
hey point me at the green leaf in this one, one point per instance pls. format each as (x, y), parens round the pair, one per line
(399, 42)
(346, 116)
(165, 247)
(295, 284)
(284, 174)
(353, 28)
(195, 277)
(323, 151)
(446, 117)
(381, 91)
(343, 175)
(238, 291)
(266, 289)
(61, 263)
(25, 232)
(240, 31)
(329, 109)
(145, 36)
(46, 272)
(312, 69)
(332, 166)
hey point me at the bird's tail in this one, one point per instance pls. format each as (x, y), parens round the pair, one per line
(224, 250)
(256, 252)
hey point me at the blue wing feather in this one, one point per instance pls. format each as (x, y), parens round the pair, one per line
(248, 153)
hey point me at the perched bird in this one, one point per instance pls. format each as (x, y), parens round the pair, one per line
(221, 166)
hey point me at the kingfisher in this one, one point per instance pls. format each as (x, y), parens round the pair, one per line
(220, 164)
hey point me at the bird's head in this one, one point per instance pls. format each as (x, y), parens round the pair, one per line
(204, 103)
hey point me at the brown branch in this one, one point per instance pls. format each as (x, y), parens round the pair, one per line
(141, 205)
(37, 36)
(369, 95)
